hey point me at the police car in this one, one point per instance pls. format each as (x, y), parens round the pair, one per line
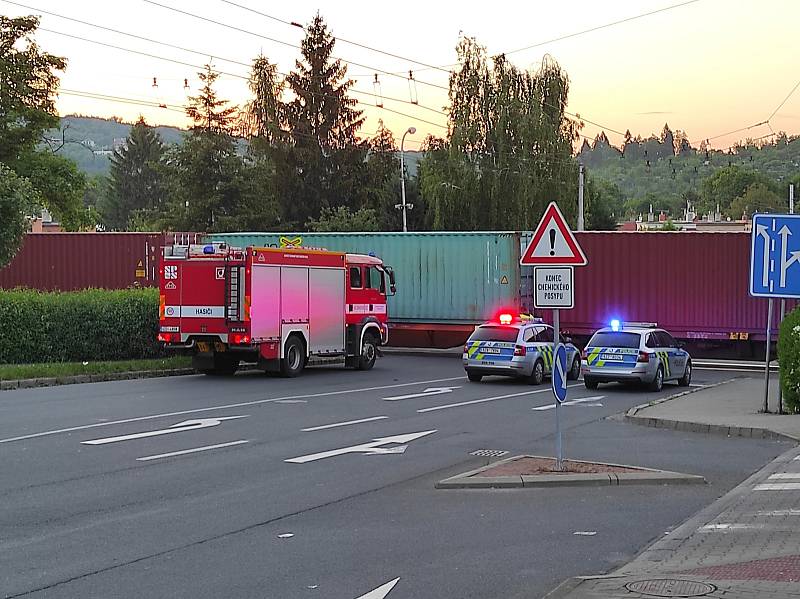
(517, 346)
(635, 352)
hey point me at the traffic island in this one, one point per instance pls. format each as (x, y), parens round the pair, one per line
(527, 471)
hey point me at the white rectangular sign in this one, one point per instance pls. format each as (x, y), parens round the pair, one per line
(553, 287)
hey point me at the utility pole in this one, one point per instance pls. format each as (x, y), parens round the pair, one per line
(580, 198)
(402, 205)
(783, 301)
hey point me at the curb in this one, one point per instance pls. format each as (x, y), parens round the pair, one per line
(453, 352)
(92, 378)
(647, 476)
(698, 427)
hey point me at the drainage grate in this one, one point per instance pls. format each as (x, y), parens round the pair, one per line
(488, 453)
(670, 587)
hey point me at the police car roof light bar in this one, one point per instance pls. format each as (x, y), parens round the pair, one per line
(644, 325)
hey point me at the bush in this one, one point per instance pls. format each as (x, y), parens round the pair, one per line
(789, 360)
(77, 326)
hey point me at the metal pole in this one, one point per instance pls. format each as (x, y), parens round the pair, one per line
(559, 456)
(783, 302)
(580, 198)
(766, 359)
(403, 186)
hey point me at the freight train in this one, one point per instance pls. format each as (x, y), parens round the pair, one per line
(693, 284)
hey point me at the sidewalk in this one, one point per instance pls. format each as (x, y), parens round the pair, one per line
(730, 408)
(745, 545)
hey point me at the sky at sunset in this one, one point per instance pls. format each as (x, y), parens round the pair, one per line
(707, 67)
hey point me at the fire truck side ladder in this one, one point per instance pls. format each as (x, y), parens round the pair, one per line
(234, 293)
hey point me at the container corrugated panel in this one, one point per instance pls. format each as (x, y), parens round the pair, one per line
(71, 261)
(692, 284)
(441, 277)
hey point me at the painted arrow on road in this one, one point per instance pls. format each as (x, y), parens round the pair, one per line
(372, 448)
(427, 393)
(381, 591)
(572, 402)
(181, 427)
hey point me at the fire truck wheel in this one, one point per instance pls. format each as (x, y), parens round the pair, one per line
(369, 352)
(294, 357)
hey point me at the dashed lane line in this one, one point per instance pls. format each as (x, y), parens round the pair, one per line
(221, 407)
(485, 399)
(338, 424)
(187, 451)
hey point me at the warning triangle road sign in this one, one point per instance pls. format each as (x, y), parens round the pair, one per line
(553, 242)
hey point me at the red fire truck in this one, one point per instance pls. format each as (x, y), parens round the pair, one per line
(276, 307)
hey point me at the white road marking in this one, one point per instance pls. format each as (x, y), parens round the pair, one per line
(181, 427)
(733, 526)
(368, 448)
(221, 407)
(777, 487)
(286, 535)
(348, 423)
(485, 399)
(789, 512)
(187, 451)
(786, 475)
(697, 385)
(585, 533)
(426, 393)
(572, 402)
(291, 401)
(381, 591)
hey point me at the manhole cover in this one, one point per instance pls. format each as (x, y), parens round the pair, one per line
(489, 453)
(670, 587)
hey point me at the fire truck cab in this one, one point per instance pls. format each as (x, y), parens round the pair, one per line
(276, 307)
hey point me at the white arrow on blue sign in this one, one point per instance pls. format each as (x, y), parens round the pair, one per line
(775, 256)
(560, 373)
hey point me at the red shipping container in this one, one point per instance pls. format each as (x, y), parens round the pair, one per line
(72, 261)
(693, 284)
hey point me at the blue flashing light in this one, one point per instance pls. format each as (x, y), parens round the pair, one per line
(209, 249)
(615, 324)
(372, 254)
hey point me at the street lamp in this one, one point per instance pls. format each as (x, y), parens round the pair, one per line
(403, 206)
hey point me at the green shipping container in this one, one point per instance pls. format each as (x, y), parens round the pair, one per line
(447, 278)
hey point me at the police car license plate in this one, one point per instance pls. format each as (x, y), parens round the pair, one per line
(611, 357)
(490, 350)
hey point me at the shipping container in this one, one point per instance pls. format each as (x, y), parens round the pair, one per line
(72, 261)
(450, 279)
(693, 284)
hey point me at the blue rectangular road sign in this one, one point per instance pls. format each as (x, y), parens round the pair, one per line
(775, 256)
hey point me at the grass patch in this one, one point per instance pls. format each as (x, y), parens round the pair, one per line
(10, 372)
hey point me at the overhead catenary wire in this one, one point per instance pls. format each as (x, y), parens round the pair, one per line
(338, 38)
(604, 26)
(254, 34)
(184, 49)
(227, 73)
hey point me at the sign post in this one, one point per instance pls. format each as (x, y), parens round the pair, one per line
(774, 268)
(553, 250)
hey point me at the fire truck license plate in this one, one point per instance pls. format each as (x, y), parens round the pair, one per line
(203, 347)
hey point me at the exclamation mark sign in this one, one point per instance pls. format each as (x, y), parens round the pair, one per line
(552, 242)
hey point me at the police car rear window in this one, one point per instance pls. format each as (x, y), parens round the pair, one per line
(615, 339)
(494, 334)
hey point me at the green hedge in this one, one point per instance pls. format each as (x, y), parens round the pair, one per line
(95, 324)
(789, 360)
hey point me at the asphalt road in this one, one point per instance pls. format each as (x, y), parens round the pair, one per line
(118, 518)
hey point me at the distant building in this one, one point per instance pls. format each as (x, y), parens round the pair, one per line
(120, 142)
(45, 224)
(713, 222)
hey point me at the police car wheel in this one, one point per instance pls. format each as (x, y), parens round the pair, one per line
(575, 370)
(537, 374)
(474, 377)
(590, 383)
(686, 379)
(658, 380)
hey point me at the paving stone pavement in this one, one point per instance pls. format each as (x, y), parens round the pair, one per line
(746, 544)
